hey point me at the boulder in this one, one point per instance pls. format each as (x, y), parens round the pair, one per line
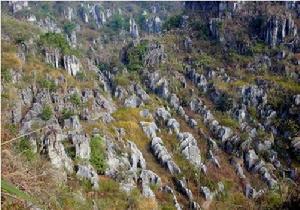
(72, 123)
(182, 187)
(189, 149)
(88, 172)
(192, 123)
(173, 125)
(54, 149)
(206, 192)
(133, 102)
(82, 145)
(162, 155)
(136, 157)
(148, 178)
(149, 129)
(162, 113)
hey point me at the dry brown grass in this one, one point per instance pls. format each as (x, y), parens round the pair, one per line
(10, 60)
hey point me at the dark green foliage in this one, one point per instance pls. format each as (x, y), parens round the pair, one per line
(49, 84)
(69, 27)
(75, 99)
(136, 56)
(201, 29)
(257, 23)
(224, 103)
(46, 113)
(118, 22)
(98, 154)
(25, 148)
(66, 114)
(103, 66)
(56, 40)
(81, 76)
(141, 19)
(6, 75)
(172, 22)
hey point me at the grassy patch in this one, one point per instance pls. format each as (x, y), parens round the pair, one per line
(19, 31)
(9, 60)
(226, 120)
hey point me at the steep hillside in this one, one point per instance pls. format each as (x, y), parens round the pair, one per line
(150, 105)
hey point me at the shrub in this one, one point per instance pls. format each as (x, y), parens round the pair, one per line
(69, 27)
(118, 22)
(205, 60)
(46, 113)
(70, 149)
(98, 154)
(56, 40)
(66, 114)
(122, 80)
(172, 22)
(201, 29)
(24, 146)
(224, 103)
(103, 66)
(6, 75)
(49, 84)
(81, 76)
(136, 56)
(75, 99)
(226, 120)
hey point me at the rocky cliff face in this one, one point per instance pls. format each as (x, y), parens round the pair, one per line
(151, 106)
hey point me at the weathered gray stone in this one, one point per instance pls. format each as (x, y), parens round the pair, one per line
(71, 64)
(149, 129)
(133, 102)
(136, 157)
(88, 172)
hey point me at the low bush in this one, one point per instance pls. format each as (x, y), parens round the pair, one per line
(227, 120)
(98, 154)
(48, 84)
(75, 99)
(118, 22)
(46, 113)
(224, 103)
(66, 114)
(25, 148)
(69, 27)
(56, 40)
(136, 56)
(172, 22)
(6, 75)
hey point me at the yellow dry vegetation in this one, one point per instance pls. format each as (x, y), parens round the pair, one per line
(146, 203)
(10, 60)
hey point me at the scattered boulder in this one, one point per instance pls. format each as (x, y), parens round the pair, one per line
(88, 172)
(133, 102)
